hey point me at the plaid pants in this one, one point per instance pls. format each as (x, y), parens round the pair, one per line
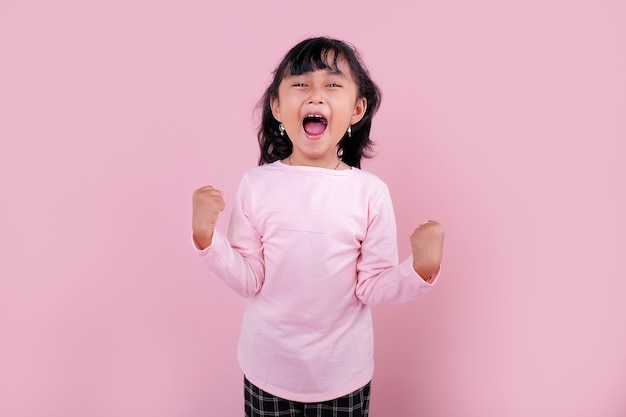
(259, 403)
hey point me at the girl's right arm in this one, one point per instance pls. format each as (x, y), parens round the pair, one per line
(238, 260)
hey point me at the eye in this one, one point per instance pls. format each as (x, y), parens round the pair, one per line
(334, 85)
(299, 85)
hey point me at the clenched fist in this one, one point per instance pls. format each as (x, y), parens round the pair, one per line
(427, 248)
(207, 206)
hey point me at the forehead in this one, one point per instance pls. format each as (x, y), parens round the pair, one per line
(328, 61)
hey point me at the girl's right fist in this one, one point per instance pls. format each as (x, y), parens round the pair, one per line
(207, 205)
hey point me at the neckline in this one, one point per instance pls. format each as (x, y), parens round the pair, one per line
(339, 161)
(308, 168)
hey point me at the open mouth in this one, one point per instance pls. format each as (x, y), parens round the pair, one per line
(314, 124)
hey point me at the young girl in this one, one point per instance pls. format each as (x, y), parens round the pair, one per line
(312, 240)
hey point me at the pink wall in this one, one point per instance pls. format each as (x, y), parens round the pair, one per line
(506, 123)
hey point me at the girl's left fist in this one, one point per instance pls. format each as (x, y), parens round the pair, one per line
(427, 248)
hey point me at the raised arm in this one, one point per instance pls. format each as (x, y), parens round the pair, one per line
(380, 279)
(238, 260)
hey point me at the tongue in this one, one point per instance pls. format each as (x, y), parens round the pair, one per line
(314, 128)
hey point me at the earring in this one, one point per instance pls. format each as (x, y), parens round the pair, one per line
(349, 131)
(282, 129)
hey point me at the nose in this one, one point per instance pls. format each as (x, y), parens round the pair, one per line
(316, 96)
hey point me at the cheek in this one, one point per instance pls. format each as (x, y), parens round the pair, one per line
(289, 105)
(346, 109)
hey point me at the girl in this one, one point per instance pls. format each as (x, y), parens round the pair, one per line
(312, 240)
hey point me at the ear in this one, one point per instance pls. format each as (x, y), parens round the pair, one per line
(275, 108)
(359, 110)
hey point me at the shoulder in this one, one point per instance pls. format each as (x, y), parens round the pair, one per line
(367, 176)
(264, 169)
(370, 180)
(261, 177)
(260, 171)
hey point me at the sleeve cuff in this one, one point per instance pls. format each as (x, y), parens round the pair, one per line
(407, 266)
(216, 236)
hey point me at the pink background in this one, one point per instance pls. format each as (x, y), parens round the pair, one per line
(505, 120)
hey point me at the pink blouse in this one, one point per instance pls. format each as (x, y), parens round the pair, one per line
(313, 249)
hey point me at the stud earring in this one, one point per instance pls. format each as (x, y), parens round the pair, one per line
(349, 131)
(281, 128)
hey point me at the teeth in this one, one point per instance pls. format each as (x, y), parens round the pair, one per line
(316, 117)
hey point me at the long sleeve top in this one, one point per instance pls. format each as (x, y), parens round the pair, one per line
(313, 249)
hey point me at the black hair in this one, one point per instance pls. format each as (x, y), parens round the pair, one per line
(310, 55)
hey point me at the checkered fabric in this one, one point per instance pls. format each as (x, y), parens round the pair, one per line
(259, 403)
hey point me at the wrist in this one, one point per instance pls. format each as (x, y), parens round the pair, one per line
(204, 239)
(425, 272)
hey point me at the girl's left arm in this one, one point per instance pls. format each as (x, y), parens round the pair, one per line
(380, 279)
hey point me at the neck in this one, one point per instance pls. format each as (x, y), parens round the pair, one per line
(335, 164)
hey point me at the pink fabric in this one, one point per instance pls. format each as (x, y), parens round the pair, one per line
(314, 249)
